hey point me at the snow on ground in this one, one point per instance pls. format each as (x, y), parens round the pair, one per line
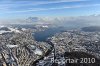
(10, 30)
(12, 46)
(38, 52)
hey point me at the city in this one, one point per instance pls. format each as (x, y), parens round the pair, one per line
(49, 32)
(67, 48)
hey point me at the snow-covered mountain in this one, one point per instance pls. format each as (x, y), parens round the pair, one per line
(4, 29)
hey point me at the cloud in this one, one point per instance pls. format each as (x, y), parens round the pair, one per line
(71, 22)
(14, 4)
(54, 8)
(68, 22)
(57, 1)
(33, 2)
(80, 21)
(20, 6)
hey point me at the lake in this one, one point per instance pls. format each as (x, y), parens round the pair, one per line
(43, 35)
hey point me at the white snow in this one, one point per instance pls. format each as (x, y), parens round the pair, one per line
(2, 26)
(45, 26)
(12, 46)
(14, 30)
(33, 47)
(11, 29)
(38, 52)
(23, 29)
(1, 32)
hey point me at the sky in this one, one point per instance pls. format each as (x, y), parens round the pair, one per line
(13, 9)
(62, 12)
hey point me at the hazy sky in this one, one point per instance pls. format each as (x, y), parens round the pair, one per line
(25, 8)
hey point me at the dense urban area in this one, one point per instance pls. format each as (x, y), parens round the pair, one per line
(18, 47)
